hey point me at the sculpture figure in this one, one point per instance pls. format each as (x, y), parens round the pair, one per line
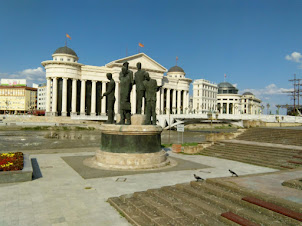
(110, 98)
(151, 89)
(126, 82)
(139, 79)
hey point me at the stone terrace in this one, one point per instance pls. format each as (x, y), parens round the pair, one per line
(273, 135)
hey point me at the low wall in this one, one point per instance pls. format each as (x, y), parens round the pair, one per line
(19, 175)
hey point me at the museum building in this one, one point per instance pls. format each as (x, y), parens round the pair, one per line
(230, 102)
(75, 89)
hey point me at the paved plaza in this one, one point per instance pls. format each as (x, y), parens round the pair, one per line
(62, 197)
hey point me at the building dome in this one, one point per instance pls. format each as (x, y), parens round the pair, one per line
(176, 69)
(65, 50)
(248, 93)
(225, 87)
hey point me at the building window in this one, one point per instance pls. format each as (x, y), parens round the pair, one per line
(61, 59)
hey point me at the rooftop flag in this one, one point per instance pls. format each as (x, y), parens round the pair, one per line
(140, 44)
(67, 36)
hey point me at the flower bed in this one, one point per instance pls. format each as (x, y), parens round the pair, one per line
(11, 161)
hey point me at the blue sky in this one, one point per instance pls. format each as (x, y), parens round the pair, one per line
(258, 44)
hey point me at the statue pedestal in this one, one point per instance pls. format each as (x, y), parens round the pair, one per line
(129, 147)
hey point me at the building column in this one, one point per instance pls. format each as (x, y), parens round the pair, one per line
(48, 90)
(174, 101)
(74, 97)
(162, 101)
(158, 102)
(178, 101)
(93, 98)
(184, 102)
(103, 101)
(188, 100)
(228, 106)
(54, 96)
(64, 97)
(83, 90)
(168, 102)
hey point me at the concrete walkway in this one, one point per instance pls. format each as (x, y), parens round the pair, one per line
(62, 197)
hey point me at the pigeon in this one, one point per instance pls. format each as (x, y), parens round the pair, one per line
(198, 178)
(233, 173)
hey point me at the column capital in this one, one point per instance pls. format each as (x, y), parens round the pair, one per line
(54, 78)
(83, 80)
(64, 78)
(94, 81)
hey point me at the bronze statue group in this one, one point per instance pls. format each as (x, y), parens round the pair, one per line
(145, 88)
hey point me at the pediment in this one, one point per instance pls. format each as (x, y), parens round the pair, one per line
(147, 63)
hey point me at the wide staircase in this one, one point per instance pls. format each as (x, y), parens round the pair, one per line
(211, 202)
(272, 135)
(278, 158)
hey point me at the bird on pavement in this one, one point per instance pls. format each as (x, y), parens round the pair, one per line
(233, 173)
(198, 178)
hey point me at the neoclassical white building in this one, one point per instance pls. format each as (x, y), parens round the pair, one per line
(250, 104)
(230, 102)
(204, 96)
(77, 88)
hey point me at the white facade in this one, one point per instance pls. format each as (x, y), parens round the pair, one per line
(231, 103)
(250, 104)
(204, 96)
(77, 88)
(41, 96)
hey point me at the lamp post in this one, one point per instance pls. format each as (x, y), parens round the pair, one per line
(268, 105)
(278, 106)
(262, 107)
(210, 116)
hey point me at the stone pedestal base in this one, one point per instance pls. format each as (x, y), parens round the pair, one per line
(129, 147)
(138, 119)
(128, 161)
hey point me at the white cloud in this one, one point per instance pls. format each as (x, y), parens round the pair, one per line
(295, 56)
(35, 75)
(273, 95)
(271, 89)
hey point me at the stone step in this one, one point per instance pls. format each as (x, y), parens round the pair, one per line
(245, 160)
(148, 211)
(237, 219)
(254, 149)
(274, 207)
(231, 187)
(187, 209)
(129, 212)
(175, 216)
(232, 202)
(242, 152)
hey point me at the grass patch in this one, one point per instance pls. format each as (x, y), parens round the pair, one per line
(189, 144)
(84, 128)
(166, 145)
(36, 128)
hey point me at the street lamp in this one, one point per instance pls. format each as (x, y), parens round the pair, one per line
(268, 105)
(278, 106)
(210, 116)
(262, 107)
